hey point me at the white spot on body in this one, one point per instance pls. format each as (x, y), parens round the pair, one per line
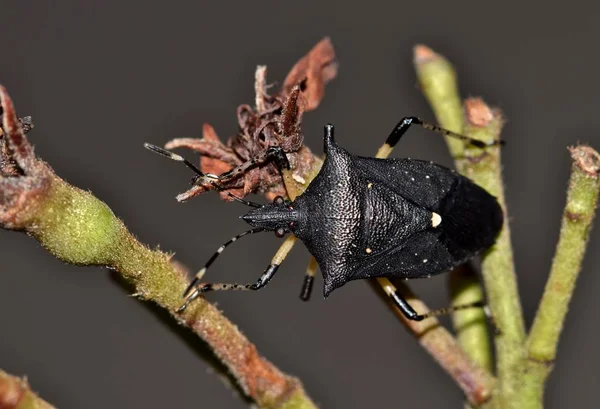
(370, 185)
(425, 260)
(436, 219)
(368, 250)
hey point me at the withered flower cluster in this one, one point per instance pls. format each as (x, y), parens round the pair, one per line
(274, 120)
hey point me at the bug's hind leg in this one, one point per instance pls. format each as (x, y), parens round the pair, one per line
(206, 287)
(399, 301)
(383, 152)
(402, 126)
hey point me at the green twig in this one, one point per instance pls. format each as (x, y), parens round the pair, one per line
(484, 168)
(438, 82)
(15, 393)
(582, 199)
(78, 228)
(437, 79)
(470, 324)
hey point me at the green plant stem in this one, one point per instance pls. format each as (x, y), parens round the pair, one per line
(438, 82)
(15, 393)
(79, 229)
(437, 79)
(582, 199)
(470, 324)
(484, 168)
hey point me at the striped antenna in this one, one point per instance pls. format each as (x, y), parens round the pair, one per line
(178, 158)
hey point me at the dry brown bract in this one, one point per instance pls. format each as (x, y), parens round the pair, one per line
(22, 176)
(274, 120)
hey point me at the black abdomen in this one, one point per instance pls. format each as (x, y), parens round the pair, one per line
(471, 219)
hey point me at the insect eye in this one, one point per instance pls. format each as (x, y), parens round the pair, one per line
(280, 232)
(278, 200)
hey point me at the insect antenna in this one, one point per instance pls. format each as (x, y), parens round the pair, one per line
(178, 158)
(216, 254)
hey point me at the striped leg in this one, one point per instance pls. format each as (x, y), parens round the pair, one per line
(406, 122)
(309, 279)
(195, 288)
(384, 152)
(216, 254)
(274, 152)
(399, 301)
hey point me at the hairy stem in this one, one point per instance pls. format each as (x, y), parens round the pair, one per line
(470, 324)
(438, 82)
(582, 199)
(484, 168)
(437, 79)
(78, 228)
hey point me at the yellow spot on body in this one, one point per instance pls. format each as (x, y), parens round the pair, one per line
(368, 250)
(299, 179)
(436, 219)
(370, 185)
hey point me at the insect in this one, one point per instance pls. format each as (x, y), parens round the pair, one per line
(364, 217)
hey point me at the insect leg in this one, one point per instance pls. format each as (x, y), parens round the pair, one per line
(383, 153)
(216, 254)
(263, 280)
(309, 279)
(274, 152)
(410, 313)
(451, 309)
(402, 126)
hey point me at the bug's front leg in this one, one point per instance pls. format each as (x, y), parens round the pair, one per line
(201, 288)
(275, 153)
(195, 290)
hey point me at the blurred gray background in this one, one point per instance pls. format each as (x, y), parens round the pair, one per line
(100, 78)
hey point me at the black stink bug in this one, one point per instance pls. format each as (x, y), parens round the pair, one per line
(364, 217)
